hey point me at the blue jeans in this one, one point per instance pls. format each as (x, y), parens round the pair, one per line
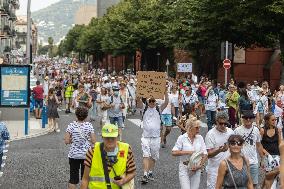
(118, 120)
(93, 110)
(211, 118)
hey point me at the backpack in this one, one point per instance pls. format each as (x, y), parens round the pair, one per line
(157, 108)
(121, 101)
(198, 92)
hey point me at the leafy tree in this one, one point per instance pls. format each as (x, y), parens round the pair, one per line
(50, 46)
(72, 37)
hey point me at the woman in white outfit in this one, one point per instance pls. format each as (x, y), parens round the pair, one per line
(187, 145)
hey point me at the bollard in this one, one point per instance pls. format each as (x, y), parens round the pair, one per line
(26, 121)
(43, 117)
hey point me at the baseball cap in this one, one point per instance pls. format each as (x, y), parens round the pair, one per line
(115, 88)
(109, 130)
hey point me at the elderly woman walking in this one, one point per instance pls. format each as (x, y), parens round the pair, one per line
(191, 149)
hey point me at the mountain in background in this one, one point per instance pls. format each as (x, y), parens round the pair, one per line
(57, 19)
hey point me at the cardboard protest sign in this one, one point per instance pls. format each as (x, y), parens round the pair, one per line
(151, 84)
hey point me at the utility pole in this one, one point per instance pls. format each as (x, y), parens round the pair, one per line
(28, 43)
(226, 71)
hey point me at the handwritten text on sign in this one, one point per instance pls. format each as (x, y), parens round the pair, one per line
(151, 84)
(184, 67)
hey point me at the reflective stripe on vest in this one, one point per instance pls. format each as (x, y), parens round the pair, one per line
(97, 178)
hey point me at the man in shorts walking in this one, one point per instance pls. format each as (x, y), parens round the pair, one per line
(38, 96)
(151, 139)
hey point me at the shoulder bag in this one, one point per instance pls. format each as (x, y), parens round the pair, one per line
(103, 156)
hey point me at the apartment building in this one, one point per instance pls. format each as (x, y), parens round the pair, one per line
(7, 26)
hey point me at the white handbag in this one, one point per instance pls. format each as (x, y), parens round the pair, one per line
(194, 160)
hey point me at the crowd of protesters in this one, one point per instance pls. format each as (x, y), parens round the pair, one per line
(244, 123)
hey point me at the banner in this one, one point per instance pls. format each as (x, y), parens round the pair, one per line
(15, 86)
(151, 84)
(184, 67)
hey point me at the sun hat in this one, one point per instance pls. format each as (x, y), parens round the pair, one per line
(248, 114)
(109, 130)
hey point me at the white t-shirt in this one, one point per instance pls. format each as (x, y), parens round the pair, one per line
(174, 99)
(249, 149)
(184, 143)
(151, 122)
(189, 99)
(213, 140)
(211, 102)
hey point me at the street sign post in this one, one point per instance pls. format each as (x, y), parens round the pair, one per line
(227, 62)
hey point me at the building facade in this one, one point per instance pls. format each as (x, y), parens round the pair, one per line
(21, 32)
(93, 9)
(7, 28)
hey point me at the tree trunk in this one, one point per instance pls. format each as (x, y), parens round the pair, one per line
(282, 60)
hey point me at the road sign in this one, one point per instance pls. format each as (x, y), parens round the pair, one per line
(227, 64)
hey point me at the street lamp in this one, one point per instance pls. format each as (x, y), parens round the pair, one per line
(167, 64)
(158, 54)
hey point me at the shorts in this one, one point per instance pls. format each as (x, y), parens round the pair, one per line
(254, 173)
(68, 100)
(75, 165)
(151, 147)
(38, 103)
(167, 120)
(116, 120)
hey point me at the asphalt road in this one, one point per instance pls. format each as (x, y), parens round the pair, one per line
(42, 162)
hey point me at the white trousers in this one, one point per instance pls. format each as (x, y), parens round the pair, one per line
(187, 179)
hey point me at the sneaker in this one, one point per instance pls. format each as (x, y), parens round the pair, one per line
(1, 174)
(57, 130)
(163, 145)
(144, 179)
(151, 177)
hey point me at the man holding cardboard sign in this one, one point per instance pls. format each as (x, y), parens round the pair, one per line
(151, 139)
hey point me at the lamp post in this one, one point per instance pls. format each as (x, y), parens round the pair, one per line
(28, 44)
(158, 54)
(167, 64)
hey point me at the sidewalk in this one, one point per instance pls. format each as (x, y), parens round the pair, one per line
(17, 129)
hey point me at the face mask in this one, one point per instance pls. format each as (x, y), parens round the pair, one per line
(116, 93)
(112, 156)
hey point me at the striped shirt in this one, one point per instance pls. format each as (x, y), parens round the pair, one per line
(81, 137)
(130, 164)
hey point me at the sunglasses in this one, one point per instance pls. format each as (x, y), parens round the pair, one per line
(152, 101)
(222, 123)
(234, 143)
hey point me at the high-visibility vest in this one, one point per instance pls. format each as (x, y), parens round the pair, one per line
(69, 91)
(96, 176)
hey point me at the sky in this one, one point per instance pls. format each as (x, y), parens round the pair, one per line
(35, 5)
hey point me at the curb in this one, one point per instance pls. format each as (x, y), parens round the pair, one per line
(44, 132)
